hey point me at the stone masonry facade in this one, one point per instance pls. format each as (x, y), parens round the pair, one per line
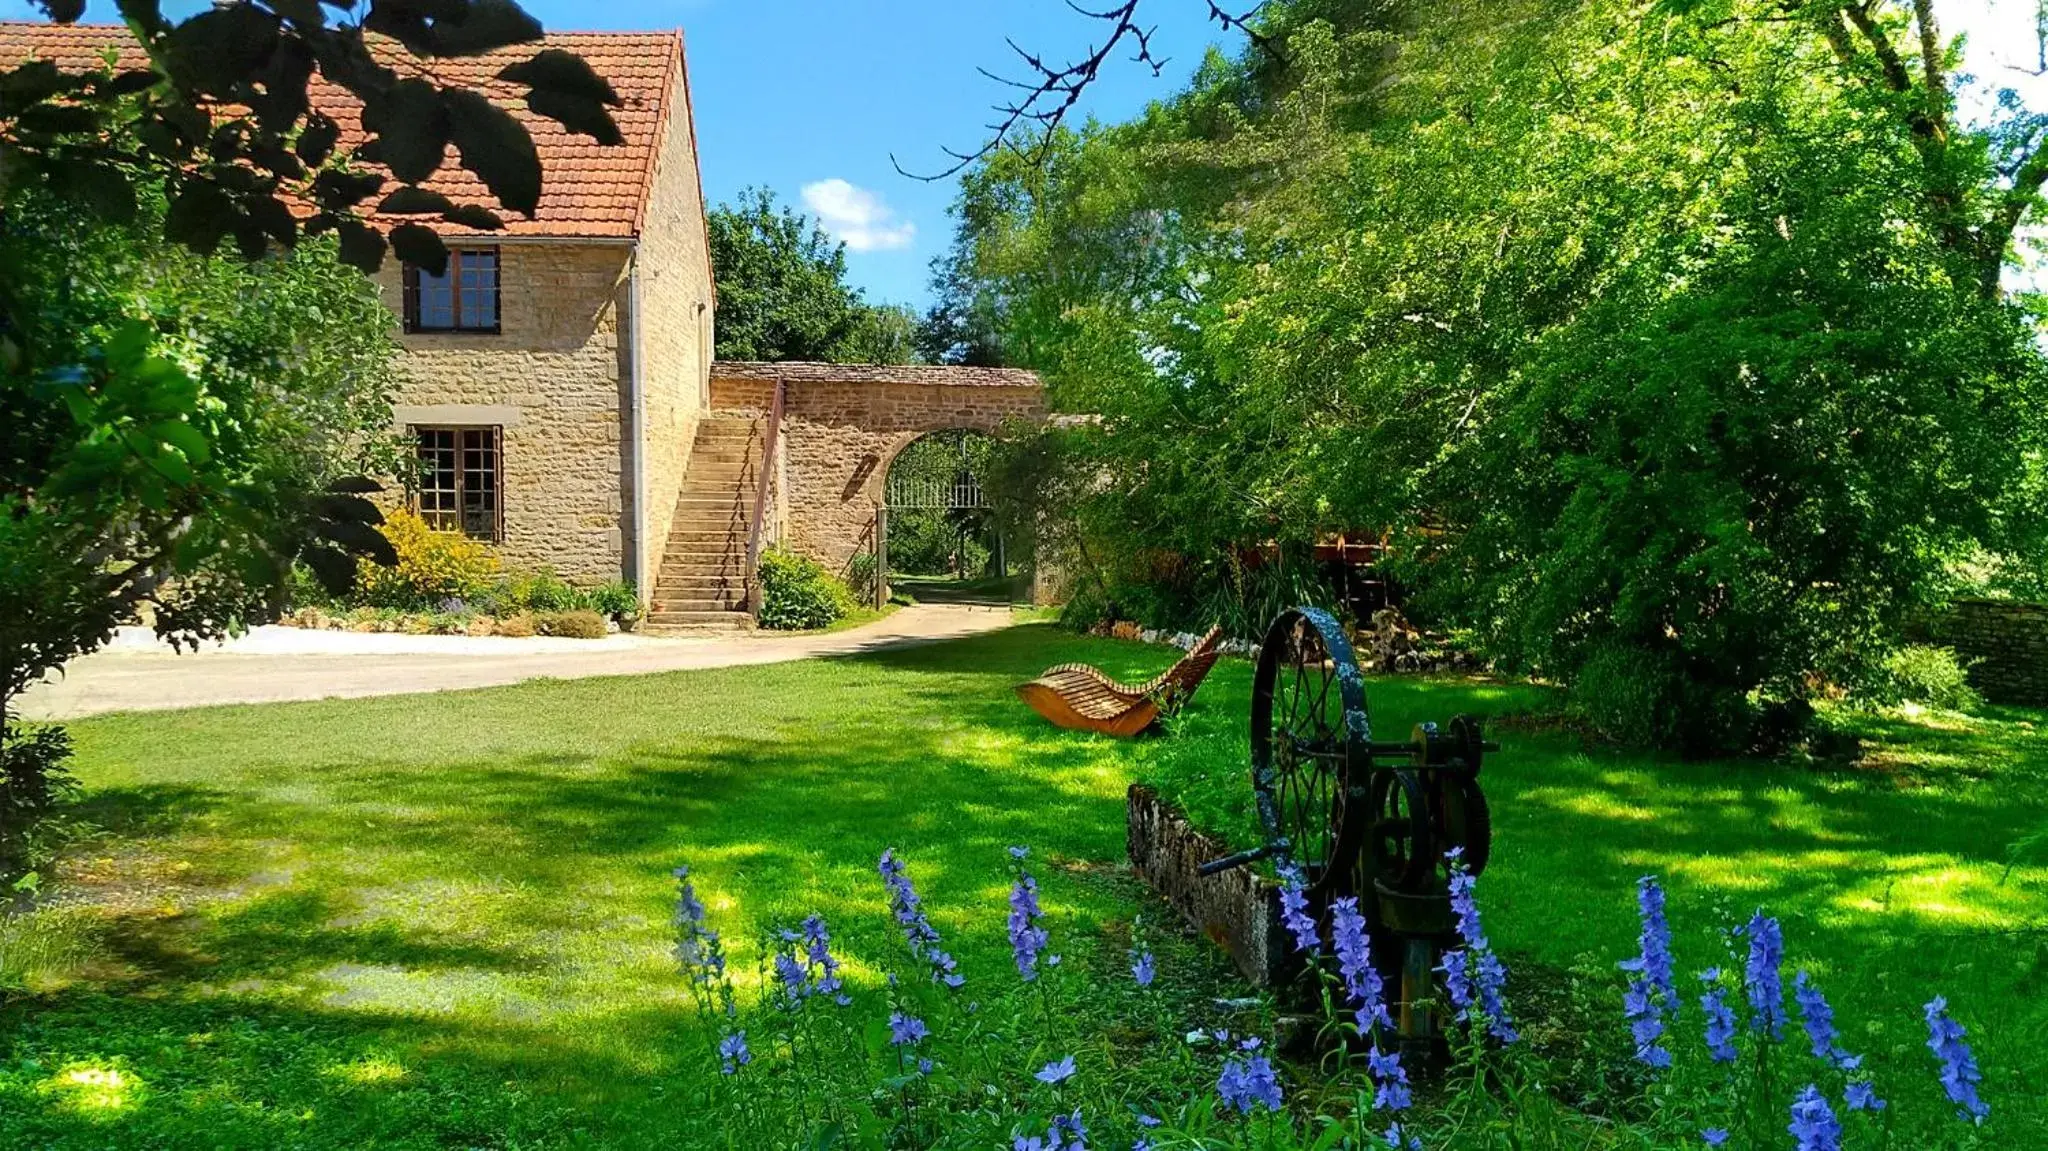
(843, 426)
(2009, 642)
(550, 378)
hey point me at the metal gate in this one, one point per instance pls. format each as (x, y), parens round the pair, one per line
(942, 484)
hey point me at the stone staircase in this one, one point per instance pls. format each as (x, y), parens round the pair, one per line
(702, 584)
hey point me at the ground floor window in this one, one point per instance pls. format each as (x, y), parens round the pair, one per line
(461, 478)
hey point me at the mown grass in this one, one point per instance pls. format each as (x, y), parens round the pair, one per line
(443, 920)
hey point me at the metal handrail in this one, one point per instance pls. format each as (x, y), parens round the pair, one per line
(774, 440)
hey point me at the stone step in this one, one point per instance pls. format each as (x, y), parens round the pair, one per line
(664, 607)
(734, 619)
(695, 582)
(706, 540)
(672, 572)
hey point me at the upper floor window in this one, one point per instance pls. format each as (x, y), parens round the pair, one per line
(462, 299)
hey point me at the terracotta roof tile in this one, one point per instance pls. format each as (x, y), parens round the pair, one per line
(587, 189)
(947, 375)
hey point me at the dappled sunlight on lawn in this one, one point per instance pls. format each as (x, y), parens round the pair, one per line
(451, 914)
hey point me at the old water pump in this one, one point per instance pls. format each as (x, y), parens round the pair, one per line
(1358, 816)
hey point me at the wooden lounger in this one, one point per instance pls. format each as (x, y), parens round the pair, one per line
(1078, 696)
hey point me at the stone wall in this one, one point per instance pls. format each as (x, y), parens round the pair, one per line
(1236, 910)
(2010, 642)
(551, 378)
(839, 437)
(675, 324)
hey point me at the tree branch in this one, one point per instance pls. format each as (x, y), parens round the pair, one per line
(1894, 69)
(1051, 91)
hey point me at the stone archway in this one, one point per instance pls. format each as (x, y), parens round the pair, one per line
(842, 426)
(941, 530)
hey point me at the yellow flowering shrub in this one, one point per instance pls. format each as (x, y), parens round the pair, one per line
(432, 566)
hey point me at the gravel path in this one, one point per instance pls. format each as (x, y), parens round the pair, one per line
(272, 664)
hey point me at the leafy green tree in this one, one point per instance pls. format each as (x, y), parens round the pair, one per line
(882, 334)
(1665, 343)
(783, 295)
(175, 430)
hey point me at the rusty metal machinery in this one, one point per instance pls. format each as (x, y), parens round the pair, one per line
(1358, 816)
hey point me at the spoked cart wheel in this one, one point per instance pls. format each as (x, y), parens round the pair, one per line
(1308, 715)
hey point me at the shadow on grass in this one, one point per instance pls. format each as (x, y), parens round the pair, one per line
(462, 921)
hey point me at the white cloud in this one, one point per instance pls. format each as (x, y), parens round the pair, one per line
(857, 217)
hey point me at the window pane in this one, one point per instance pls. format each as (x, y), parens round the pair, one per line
(479, 289)
(436, 298)
(438, 476)
(480, 482)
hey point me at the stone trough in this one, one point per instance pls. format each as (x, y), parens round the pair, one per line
(1237, 910)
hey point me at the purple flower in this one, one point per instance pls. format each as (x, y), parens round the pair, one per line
(1715, 1136)
(1390, 1080)
(1861, 1096)
(1720, 1019)
(1763, 980)
(1959, 1074)
(1819, 1021)
(1354, 964)
(1813, 1124)
(1144, 970)
(905, 1030)
(795, 985)
(917, 929)
(1294, 911)
(698, 950)
(1488, 975)
(1458, 980)
(733, 1053)
(924, 1067)
(1027, 936)
(1399, 1138)
(1248, 1080)
(1652, 993)
(821, 967)
(1057, 1072)
(1069, 1126)
(1018, 853)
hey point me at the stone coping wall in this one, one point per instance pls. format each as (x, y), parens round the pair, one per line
(2008, 639)
(1238, 910)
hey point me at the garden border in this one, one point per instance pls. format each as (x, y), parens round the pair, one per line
(1238, 910)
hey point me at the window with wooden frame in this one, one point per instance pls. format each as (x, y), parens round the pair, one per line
(461, 480)
(462, 299)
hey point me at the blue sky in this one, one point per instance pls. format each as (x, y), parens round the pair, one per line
(811, 97)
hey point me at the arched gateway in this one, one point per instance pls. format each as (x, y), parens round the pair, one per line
(809, 446)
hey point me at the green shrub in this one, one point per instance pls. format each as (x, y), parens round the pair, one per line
(35, 783)
(1642, 698)
(799, 595)
(539, 591)
(433, 567)
(617, 599)
(578, 624)
(1922, 673)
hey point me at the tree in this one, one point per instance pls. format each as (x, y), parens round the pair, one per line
(184, 433)
(177, 432)
(1659, 342)
(129, 471)
(783, 295)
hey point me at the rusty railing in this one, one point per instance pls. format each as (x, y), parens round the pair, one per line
(772, 442)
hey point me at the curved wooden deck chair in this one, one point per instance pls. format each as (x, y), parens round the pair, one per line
(1077, 696)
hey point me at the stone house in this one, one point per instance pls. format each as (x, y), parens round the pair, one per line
(557, 380)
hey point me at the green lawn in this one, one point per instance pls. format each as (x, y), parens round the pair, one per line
(443, 920)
